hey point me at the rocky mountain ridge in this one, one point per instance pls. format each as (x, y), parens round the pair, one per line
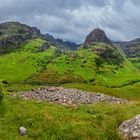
(13, 34)
(130, 48)
(66, 45)
(96, 36)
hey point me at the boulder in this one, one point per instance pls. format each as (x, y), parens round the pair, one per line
(22, 131)
(130, 129)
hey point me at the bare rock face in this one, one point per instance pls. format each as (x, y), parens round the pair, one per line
(12, 34)
(97, 35)
(130, 129)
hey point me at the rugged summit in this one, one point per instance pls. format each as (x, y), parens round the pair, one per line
(12, 34)
(96, 36)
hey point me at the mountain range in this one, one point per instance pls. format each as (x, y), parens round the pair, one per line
(12, 34)
(28, 56)
(66, 45)
(50, 71)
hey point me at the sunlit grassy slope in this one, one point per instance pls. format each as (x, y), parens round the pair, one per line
(86, 66)
(54, 122)
(80, 69)
(18, 66)
(84, 69)
(135, 61)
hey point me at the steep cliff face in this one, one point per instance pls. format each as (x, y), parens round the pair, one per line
(96, 36)
(10, 28)
(12, 34)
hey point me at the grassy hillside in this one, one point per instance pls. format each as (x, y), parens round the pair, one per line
(99, 67)
(131, 50)
(87, 66)
(135, 61)
(27, 61)
(112, 75)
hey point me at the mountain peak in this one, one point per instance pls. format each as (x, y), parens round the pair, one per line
(12, 34)
(97, 35)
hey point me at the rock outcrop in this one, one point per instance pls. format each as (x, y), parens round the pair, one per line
(130, 129)
(130, 48)
(69, 96)
(96, 36)
(12, 34)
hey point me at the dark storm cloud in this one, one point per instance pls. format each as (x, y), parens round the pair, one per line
(74, 19)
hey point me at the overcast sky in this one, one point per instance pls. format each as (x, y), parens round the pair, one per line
(73, 19)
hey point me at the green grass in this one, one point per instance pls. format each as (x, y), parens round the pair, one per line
(33, 46)
(99, 68)
(18, 66)
(78, 69)
(20, 87)
(64, 70)
(31, 64)
(81, 67)
(56, 122)
(135, 61)
(112, 77)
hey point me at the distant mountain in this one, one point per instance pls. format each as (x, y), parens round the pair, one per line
(66, 45)
(50, 38)
(38, 58)
(102, 46)
(12, 34)
(96, 36)
(100, 64)
(131, 48)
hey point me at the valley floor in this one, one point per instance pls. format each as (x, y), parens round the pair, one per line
(46, 121)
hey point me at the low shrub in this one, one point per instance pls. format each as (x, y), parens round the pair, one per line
(1, 94)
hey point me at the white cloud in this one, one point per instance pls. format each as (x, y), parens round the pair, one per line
(73, 20)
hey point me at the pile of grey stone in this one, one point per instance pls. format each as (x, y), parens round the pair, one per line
(68, 96)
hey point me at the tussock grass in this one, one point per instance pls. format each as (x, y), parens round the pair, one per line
(50, 121)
